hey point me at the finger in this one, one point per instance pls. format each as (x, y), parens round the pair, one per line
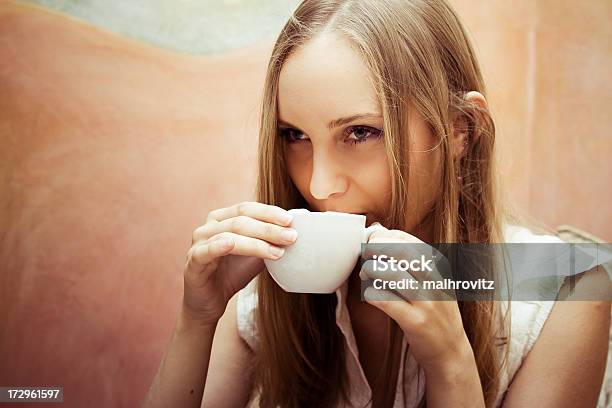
(379, 295)
(203, 254)
(373, 269)
(253, 209)
(248, 246)
(250, 227)
(388, 302)
(391, 304)
(393, 235)
(406, 284)
(373, 249)
(366, 267)
(400, 282)
(401, 254)
(381, 239)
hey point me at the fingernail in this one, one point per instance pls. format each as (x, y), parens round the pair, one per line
(289, 235)
(286, 218)
(276, 251)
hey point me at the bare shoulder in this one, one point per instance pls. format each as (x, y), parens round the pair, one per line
(229, 380)
(566, 365)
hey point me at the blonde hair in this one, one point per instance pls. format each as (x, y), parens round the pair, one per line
(418, 55)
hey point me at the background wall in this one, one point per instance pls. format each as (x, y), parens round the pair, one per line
(114, 150)
(546, 64)
(191, 26)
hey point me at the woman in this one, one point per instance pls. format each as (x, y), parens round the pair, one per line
(378, 108)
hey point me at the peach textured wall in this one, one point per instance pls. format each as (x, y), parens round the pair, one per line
(547, 66)
(114, 151)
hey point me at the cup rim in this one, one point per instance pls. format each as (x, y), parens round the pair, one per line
(304, 211)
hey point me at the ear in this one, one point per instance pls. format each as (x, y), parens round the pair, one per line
(460, 124)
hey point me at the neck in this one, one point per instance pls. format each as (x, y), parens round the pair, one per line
(425, 229)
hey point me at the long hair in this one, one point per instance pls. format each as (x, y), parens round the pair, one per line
(418, 55)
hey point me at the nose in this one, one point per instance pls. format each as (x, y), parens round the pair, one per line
(327, 178)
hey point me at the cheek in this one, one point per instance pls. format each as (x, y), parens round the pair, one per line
(298, 169)
(374, 178)
(379, 178)
(424, 171)
(424, 180)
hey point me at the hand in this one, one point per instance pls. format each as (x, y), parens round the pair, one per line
(430, 319)
(228, 251)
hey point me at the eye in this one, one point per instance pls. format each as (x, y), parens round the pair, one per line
(361, 134)
(291, 135)
(355, 134)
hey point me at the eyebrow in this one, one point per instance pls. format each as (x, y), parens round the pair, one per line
(341, 121)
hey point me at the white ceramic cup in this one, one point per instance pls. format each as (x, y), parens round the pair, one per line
(325, 252)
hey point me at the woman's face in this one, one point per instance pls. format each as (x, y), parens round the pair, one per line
(331, 122)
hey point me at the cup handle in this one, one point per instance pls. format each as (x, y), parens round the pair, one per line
(370, 230)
